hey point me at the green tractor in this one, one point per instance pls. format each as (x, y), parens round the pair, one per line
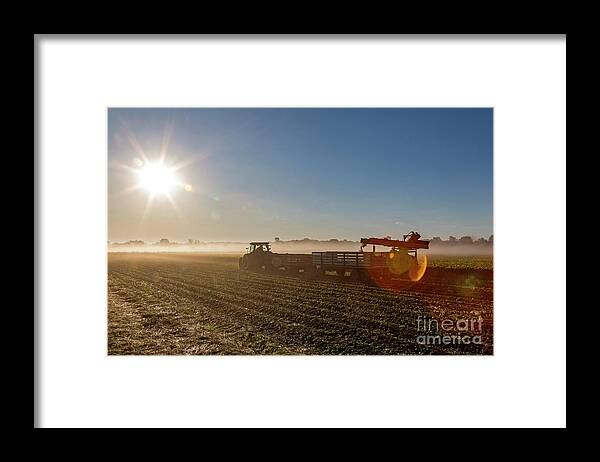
(258, 257)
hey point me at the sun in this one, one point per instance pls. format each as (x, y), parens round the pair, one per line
(157, 178)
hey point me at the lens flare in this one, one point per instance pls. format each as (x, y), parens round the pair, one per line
(399, 262)
(417, 271)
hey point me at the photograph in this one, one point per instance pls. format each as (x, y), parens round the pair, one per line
(300, 231)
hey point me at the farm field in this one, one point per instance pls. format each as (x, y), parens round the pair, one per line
(201, 304)
(482, 262)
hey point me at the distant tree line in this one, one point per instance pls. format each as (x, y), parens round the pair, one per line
(464, 240)
(161, 242)
(434, 242)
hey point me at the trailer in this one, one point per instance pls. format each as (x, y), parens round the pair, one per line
(400, 262)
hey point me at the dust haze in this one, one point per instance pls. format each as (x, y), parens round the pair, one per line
(465, 246)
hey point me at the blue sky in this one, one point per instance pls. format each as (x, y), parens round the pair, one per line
(295, 173)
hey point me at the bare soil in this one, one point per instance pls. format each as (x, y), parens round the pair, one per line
(201, 304)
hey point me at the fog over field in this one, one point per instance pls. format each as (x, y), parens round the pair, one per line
(298, 246)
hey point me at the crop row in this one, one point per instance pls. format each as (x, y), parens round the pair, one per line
(178, 306)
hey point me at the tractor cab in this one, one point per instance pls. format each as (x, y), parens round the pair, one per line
(259, 247)
(257, 256)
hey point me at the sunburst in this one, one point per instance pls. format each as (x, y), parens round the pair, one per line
(157, 177)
